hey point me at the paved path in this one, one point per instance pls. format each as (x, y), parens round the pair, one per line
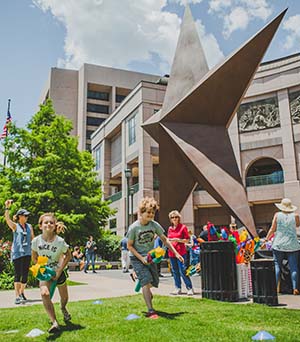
(114, 283)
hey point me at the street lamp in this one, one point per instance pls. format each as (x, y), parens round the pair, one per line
(131, 191)
(128, 174)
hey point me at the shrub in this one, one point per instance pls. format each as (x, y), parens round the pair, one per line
(6, 281)
(5, 248)
(109, 246)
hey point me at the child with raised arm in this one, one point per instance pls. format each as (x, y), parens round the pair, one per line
(141, 236)
(54, 247)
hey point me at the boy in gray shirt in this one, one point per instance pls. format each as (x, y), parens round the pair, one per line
(141, 236)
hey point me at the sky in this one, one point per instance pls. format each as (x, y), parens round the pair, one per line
(138, 35)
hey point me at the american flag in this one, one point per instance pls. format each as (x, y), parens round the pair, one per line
(4, 133)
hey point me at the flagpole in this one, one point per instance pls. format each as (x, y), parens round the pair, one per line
(6, 134)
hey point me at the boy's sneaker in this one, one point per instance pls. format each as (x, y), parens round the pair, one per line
(190, 292)
(54, 328)
(176, 292)
(152, 314)
(18, 300)
(66, 314)
(22, 296)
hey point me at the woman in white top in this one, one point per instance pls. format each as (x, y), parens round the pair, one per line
(285, 241)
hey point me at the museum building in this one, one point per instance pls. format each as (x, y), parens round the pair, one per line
(265, 135)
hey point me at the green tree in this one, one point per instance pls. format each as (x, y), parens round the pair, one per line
(47, 173)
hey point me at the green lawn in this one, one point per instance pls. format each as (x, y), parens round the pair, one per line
(181, 319)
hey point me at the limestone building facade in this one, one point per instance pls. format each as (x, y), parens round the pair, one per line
(265, 135)
(89, 95)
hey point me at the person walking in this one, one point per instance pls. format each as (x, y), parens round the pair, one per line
(285, 242)
(178, 235)
(57, 251)
(141, 235)
(125, 255)
(90, 254)
(21, 248)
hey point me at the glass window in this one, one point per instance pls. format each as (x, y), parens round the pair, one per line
(131, 130)
(91, 121)
(91, 107)
(116, 150)
(98, 95)
(120, 98)
(113, 223)
(259, 115)
(89, 133)
(98, 157)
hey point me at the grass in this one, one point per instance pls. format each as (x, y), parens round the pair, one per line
(181, 319)
(74, 283)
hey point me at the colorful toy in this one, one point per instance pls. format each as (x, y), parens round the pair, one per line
(212, 232)
(154, 256)
(44, 273)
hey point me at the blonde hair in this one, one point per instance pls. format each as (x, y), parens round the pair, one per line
(174, 212)
(59, 226)
(146, 204)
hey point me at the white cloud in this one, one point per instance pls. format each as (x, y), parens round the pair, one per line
(114, 33)
(213, 52)
(218, 5)
(184, 2)
(292, 25)
(237, 14)
(119, 33)
(238, 18)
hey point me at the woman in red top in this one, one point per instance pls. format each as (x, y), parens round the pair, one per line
(178, 235)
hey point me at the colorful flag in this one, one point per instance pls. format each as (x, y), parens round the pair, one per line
(5, 128)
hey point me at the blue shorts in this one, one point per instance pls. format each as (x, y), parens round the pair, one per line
(147, 274)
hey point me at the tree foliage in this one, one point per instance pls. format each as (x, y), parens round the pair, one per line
(47, 173)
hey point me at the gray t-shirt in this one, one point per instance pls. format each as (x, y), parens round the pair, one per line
(143, 236)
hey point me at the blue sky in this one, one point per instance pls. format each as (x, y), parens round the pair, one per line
(139, 35)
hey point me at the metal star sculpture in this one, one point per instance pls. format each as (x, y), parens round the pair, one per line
(191, 128)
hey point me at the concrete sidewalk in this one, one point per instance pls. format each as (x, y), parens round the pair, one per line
(114, 283)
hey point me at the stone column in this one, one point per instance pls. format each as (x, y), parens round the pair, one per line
(106, 167)
(187, 213)
(113, 99)
(291, 182)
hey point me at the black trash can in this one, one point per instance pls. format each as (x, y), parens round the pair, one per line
(264, 282)
(218, 271)
(285, 283)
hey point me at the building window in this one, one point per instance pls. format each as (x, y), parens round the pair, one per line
(97, 154)
(131, 130)
(120, 98)
(89, 133)
(258, 115)
(98, 95)
(264, 171)
(91, 121)
(91, 107)
(113, 223)
(116, 151)
(88, 147)
(294, 98)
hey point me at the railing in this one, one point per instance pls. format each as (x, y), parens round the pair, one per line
(273, 178)
(115, 197)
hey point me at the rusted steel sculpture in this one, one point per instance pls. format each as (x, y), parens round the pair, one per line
(191, 128)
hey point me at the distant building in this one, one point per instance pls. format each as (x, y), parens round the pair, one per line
(89, 95)
(265, 135)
